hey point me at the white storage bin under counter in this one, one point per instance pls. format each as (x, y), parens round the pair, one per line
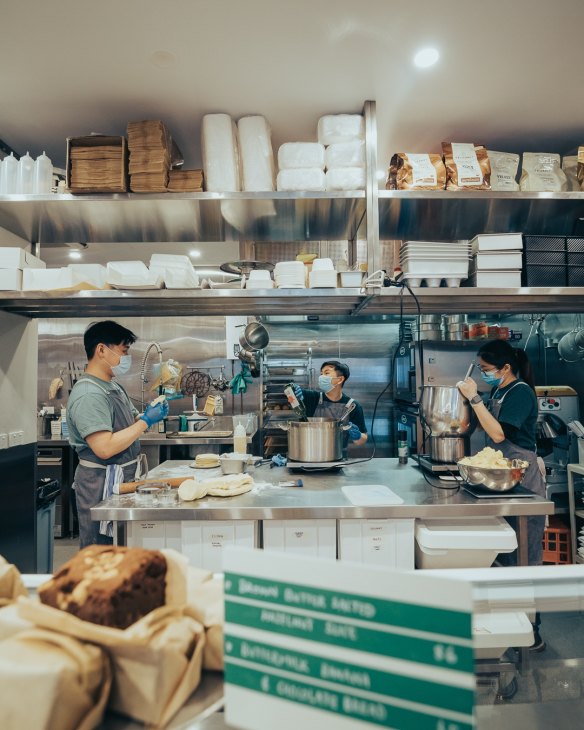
(315, 538)
(494, 633)
(472, 542)
(201, 543)
(378, 542)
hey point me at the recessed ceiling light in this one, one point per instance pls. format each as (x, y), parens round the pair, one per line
(195, 254)
(426, 57)
(74, 254)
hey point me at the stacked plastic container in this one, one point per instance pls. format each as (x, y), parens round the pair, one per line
(343, 135)
(301, 167)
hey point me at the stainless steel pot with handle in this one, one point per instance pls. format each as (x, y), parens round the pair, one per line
(444, 411)
(317, 440)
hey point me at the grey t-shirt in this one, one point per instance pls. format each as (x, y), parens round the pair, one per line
(89, 409)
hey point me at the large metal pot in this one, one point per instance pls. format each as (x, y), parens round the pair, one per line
(254, 337)
(316, 440)
(447, 449)
(444, 411)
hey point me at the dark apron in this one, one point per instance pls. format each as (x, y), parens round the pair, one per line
(329, 409)
(90, 475)
(533, 480)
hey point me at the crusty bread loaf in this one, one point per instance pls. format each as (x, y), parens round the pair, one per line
(108, 585)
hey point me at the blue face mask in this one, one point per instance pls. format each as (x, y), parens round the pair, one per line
(491, 379)
(123, 366)
(325, 383)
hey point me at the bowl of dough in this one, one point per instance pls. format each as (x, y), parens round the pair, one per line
(490, 469)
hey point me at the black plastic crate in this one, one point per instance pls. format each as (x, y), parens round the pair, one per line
(544, 258)
(575, 245)
(544, 243)
(544, 275)
(576, 276)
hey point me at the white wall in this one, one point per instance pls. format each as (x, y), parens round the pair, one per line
(18, 375)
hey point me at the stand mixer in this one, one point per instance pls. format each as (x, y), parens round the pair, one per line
(445, 415)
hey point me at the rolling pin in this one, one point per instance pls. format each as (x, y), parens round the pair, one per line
(129, 487)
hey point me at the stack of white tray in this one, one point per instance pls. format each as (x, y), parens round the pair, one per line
(497, 260)
(433, 262)
(290, 275)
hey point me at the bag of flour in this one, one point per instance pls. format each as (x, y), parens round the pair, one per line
(542, 173)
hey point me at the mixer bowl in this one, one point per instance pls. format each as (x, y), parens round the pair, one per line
(497, 480)
(444, 411)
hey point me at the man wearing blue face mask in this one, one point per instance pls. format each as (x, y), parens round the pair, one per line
(104, 426)
(329, 401)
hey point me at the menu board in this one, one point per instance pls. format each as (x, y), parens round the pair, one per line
(310, 643)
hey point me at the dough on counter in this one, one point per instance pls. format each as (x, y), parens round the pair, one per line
(229, 485)
(191, 489)
(206, 461)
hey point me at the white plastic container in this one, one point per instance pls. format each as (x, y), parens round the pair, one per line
(302, 179)
(94, 274)
(257, 156)
(351, 279)
(346, 178)
(25, 178)
(9, 175)
(315, 538)
(386, 542)
(294, 155)
(345, 154)
(472, 542)
(47, 279)
(494, 633)
(43, 175)
(335, 128)
(325, 278)
(220, 148)
(14, 257)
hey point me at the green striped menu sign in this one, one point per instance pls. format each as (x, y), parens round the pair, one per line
(311, 643)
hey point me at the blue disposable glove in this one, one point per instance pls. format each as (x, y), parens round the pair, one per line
(298, 392)
(279, 460)
(154, 414)
(354, 433)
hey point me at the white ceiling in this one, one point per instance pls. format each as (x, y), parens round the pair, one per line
(509, 76)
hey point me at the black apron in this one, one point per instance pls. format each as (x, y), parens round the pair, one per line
(330, 409)
(533, 480)
(92, 474)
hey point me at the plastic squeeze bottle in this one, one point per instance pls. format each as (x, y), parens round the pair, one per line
(240, 439)
(43, 175)
(24, 182)
(9, 174)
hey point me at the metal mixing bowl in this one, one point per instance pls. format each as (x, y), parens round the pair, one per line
(497, 480)
(233, 464)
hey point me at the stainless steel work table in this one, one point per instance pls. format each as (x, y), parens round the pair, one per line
(321, 497)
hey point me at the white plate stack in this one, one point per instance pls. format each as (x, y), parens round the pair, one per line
(497, 260)
(433, 262)
(323, 274)
(290, 275)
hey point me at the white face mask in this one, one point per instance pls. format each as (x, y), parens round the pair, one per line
(124, 364)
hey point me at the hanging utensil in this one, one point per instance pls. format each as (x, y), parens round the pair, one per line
(255, 337)
(196, 383)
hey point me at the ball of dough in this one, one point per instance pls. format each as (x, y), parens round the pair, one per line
(190, 489)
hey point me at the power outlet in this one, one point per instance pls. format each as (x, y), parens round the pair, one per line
(3, 440)
(15, 438)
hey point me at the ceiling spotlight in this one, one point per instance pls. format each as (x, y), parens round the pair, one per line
(426, 57)
(74, 254)
(195, 254)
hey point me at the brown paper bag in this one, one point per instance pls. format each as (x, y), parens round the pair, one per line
(11, 585)
(51, 681)
(156, 662)
(205, 596)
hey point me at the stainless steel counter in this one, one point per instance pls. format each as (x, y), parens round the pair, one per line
(320, 498)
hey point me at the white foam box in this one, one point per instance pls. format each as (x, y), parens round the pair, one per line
(378, 542)
(10, 279)
(499, 279)
(13, 257)
(498, 260)
(47, 279)
(497, 242)
(472, 542)
(315, 538)
(94, 274)
(494, 633)
(202, 543)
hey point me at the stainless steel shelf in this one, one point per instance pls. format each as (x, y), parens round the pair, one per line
(443, 215)
(178, 217)
(316, 302)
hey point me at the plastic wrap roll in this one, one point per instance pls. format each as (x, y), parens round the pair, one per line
(345, 154)
(257, 156)
(220, 153)
(346, 178)
(311, 179)
(305, 155)
(334, 128)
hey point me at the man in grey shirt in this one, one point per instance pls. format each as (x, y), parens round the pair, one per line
(104, 426)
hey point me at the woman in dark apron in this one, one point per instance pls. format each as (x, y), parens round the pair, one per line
(509, 420)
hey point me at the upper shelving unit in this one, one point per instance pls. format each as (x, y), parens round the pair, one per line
(448, 216)
(317, 302)
(183, 217)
